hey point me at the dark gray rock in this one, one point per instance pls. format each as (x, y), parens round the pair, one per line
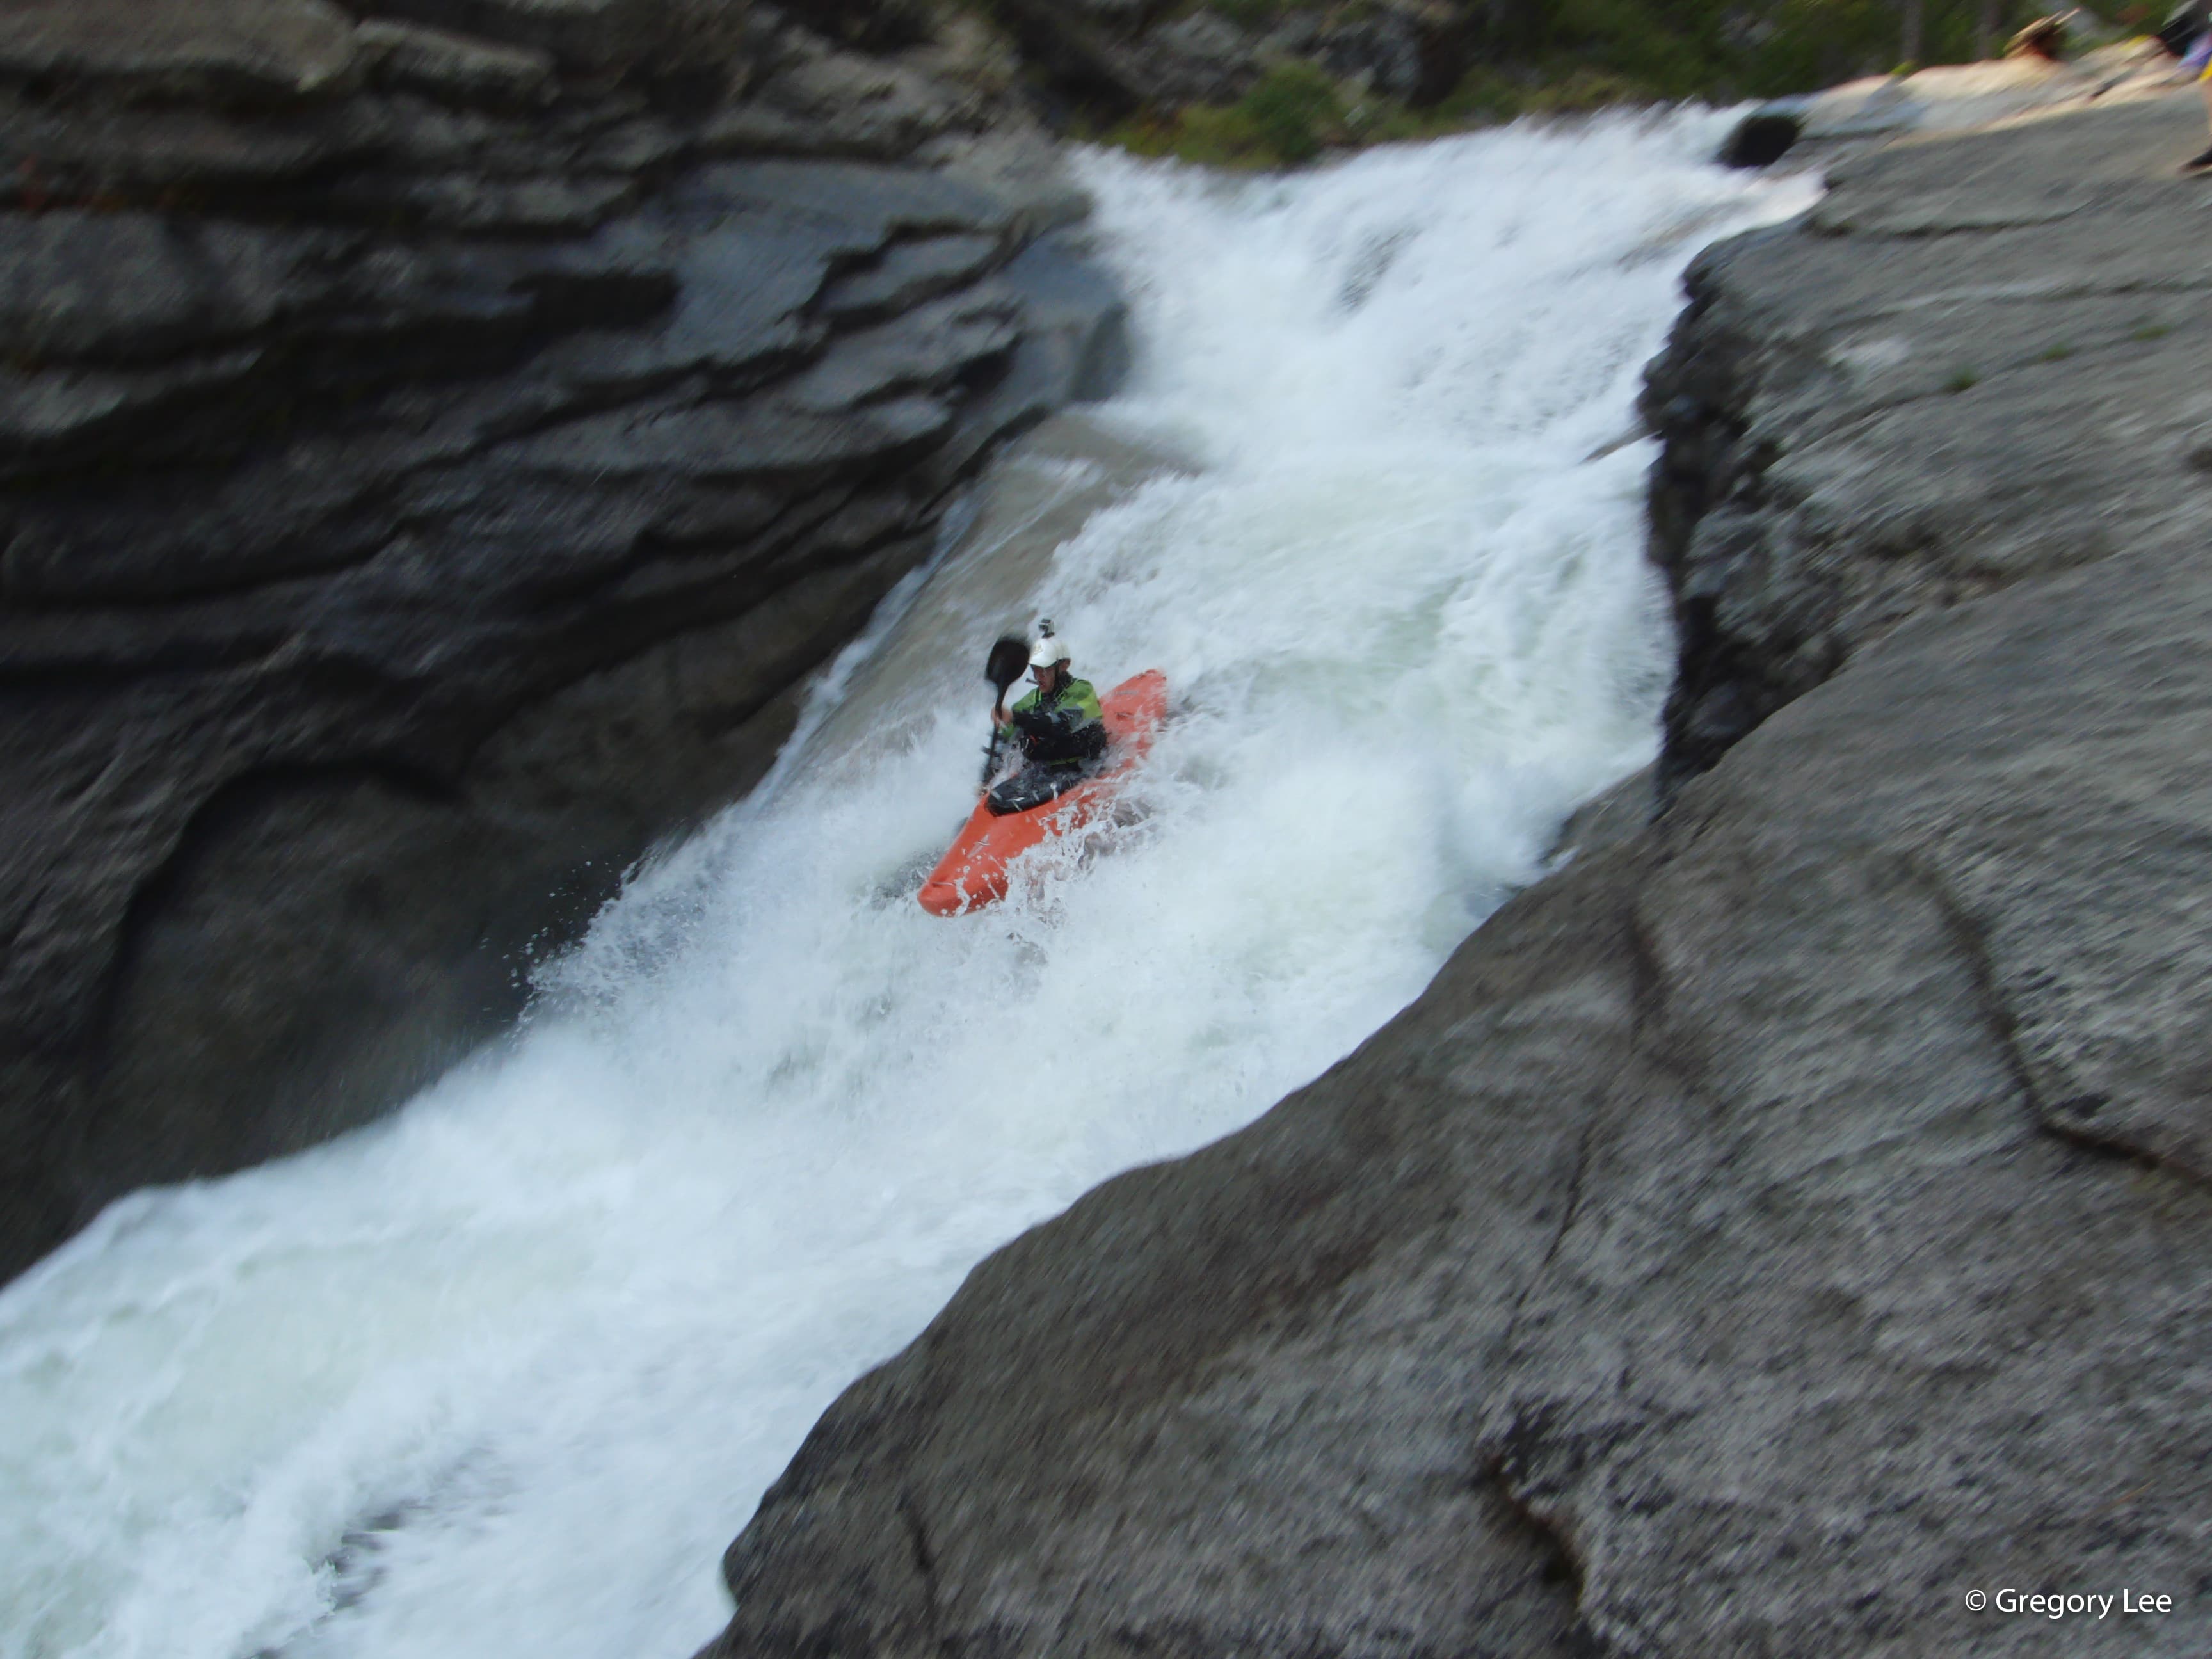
(408, 58)
(48, 415)
(908, 273)
(1974, 364)
(588, 33)
(110, 287)
(1383, 51)
(1619, 814)
(416, 499)
(1202, 58)
(1064, 296)
(924, 356)
(1792, 1215)
(823, 102)
(266, 49)
(1761, 139)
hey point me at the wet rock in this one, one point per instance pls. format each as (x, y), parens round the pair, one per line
(421, 493)
(1761, 139)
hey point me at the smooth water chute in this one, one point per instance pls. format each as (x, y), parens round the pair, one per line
(507, 1370)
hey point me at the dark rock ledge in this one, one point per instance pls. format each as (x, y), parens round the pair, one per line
(433, 445)
(1782, 1221)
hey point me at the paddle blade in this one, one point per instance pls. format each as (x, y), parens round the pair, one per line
(1008, 658)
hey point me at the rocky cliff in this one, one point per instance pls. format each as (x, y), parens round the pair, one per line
(1785, 1220)
(436, 439)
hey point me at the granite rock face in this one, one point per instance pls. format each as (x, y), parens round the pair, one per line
(1783, 1221)
(1978, 361)
(434, 448)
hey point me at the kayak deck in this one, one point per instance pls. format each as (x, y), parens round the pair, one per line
(974, 872)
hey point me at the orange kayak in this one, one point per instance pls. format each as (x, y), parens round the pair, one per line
(974, 874)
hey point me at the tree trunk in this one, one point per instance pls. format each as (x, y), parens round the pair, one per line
(1913, 20)
(1986, 26)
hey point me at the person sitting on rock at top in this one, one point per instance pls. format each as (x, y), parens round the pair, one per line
(2046, 38)
(2188, 36)
(1060, 725)
(2200, 60)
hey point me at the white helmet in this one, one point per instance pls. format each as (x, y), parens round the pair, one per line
(1047, 650)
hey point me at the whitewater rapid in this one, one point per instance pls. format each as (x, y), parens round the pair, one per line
(503, 1373)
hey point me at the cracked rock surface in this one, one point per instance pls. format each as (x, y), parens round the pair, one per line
(1978, 361)
(436, 447)
(1779, 1223)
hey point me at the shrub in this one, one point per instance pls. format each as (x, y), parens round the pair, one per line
(1581, 91)
(1251, 14)
(1553, 56)
(1294, 111)
(1482, 96)
(1286, 118)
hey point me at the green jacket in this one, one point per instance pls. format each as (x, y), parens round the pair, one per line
(1067, 731)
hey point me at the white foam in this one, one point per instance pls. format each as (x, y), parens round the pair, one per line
(505, 1372)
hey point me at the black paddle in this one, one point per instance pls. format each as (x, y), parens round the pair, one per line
(1008, 658)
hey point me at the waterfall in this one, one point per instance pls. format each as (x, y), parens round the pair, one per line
(504, 1373)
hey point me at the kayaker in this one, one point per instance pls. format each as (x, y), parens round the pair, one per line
(1061, 729)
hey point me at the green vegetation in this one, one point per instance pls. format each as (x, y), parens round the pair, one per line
(1546, 57)
(1252, 14)
(1726, 48)
(1291, 116)
(1962, 381)
(2152, 330)
(2057, 353)
(1293, 110)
